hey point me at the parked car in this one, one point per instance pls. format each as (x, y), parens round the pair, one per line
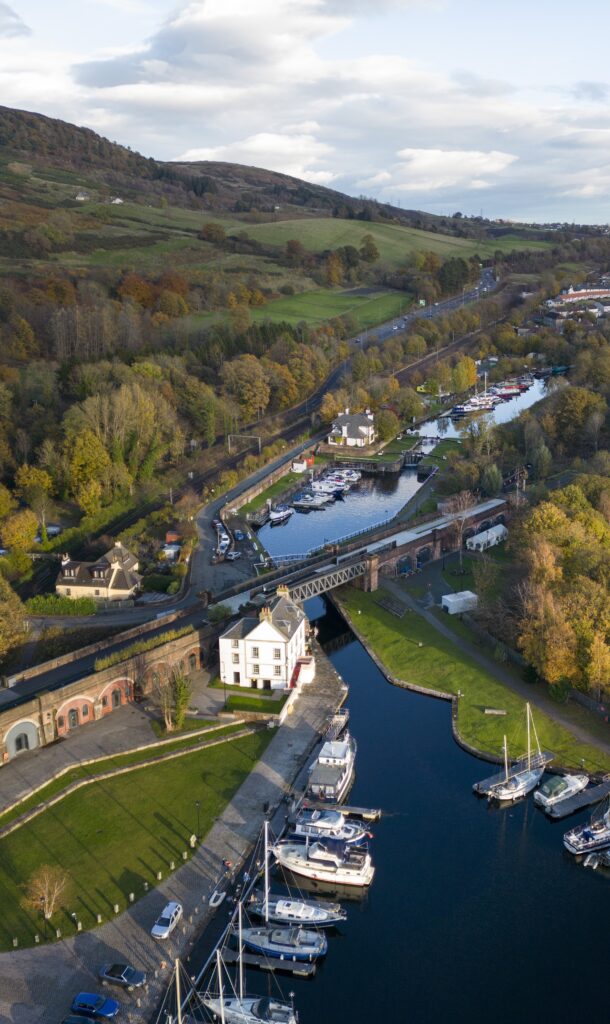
(239, 535)
(167, 921)
(90, 1004)
(123, 975)
(232, 555)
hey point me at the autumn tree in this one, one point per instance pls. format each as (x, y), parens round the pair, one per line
(368, 250)
(35, 486)
(12, 618)
(19, 531)
(46, 889)
(213, 232)
(387, 424)
(245, 379)
(7, 502)
(459, 506)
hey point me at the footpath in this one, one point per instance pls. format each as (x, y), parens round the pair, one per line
(37, 984)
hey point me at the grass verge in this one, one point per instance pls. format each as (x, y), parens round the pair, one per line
(115, 835)
(439, 665)
(247, 703)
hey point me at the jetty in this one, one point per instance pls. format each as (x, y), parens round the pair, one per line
(364, 813)
(299, 968)
(319, 502)
(536, 761)
(586, 798)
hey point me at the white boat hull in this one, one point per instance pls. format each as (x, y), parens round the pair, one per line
(250, 1010)
(574, 784)
(517, 786)
(336, 872)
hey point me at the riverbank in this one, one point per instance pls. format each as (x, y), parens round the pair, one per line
(412, 653)
(40, 980)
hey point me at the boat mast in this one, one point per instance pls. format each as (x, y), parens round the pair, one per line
(529, 739)
(241, 958)
(505, 748)
(266, 900)
(220, 992)
(178, 995)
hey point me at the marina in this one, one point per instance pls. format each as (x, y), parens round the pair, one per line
(586, 798)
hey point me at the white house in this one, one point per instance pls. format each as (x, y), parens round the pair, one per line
(113, 577)
(487, 539)
(267, 652)
(353, 430)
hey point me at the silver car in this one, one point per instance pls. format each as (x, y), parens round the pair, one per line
(167, 921)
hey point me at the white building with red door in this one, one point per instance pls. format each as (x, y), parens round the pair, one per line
(268, 652)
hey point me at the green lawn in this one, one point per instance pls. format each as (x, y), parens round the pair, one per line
(437, 664)
(113, 836)
(272, 492)
(245, 702)
(323, 304)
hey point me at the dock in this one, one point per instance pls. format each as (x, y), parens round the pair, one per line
(296, 967)
(586, 798)
(337, 725)
(365, 813)
(537, 761)
(319, 502)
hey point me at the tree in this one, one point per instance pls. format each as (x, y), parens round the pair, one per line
(459, 506)
(368, 250)
(89, 462)
(182, 692)
(387, 424)
(19, 531)
(246, 380)
(491, 480)
(213, 232)
(35, 486)
(7, 502)
(464, 374)
(45, 889)
(334, 269)
(12, 615)
(598, 669)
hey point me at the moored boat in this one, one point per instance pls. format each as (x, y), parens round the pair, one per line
(310, 913)
(327, 824)
(325, 863)
(289, 943)
(558, 788)
(591, 837)
(522, 777)
(333, 771)
(280, 513)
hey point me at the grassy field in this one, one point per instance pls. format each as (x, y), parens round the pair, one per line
(393, 241)
(245, 702)
(367, 309)
(154, 809)
(272, 492)
(437, 664)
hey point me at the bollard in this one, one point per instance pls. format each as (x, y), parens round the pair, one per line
(15, 943)
(155, 973)
(58, 933)
(131, 897)
(190, 918)
(79, 926)
(185, 855)
(99, 918)
(172, 865)
(37, 938)
(138, 1001)
(145, 886)
(116, 908)
(159, 875)
(196, 910)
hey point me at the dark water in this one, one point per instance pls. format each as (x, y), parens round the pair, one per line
(375, 499)
(475, 914)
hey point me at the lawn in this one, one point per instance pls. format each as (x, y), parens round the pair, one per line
(247, 703)
(272, 492)
(437, 664)
(314, 307)
(113, 836)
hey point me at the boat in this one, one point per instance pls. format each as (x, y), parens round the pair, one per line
(280, 513)
(284, 910)
(289, 943)
(240, 1008)
(327, 862)
(327, 824)
(594, 836)
(332, 773)
(217, 898)
(522, 777)
(558, 788)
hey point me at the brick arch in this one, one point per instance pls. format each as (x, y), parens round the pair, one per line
(108, 700)
(21, 736)
(71, 713)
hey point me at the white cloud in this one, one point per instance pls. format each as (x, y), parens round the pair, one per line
(433, 169)
(11, 24)
(289, 154)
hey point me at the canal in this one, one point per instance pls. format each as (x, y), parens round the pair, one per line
(376, 498)
(476, 913)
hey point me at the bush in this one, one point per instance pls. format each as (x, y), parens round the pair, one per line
(156, 581)
(219, 612)
(53, 604)
(140, 647)
(174, 587)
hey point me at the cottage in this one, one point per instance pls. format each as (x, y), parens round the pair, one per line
(113, 577)
(267, 652)
(353, 430)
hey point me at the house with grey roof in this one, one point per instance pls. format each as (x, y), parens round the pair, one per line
(353, 430)
(269, 651)
(113, 577)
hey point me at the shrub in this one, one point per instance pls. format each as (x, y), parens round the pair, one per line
(140, 647)
(53, 604)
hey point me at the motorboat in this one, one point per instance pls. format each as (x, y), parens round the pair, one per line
(325, 487)
(333, 771)
(280, 513)
(592, 837)
(522, 777)
(351, 475)
(327, 862)
(327, 824)
(558, 788)
(289, 943)
(308, 913)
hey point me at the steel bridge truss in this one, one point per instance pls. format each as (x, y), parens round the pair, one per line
(327, 581)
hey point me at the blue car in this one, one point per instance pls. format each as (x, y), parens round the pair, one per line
(89, 1004)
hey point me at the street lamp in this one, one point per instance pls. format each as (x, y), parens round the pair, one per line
(197, 804)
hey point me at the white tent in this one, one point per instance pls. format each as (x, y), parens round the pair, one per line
(487, 539)
(464, 601)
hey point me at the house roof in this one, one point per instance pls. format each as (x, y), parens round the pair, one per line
(240, 630)
(282, 613)
(115, 569)
(356, 424)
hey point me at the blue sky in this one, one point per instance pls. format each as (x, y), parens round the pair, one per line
(433, 104)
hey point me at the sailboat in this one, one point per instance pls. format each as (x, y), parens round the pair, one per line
(276, 909)
(520, 779)
(240, 1008)
(171, 1010)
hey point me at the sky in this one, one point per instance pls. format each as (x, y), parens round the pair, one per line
(442, 105)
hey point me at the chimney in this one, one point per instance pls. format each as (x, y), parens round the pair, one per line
(65, 558)
(265, 614)
(282, 591)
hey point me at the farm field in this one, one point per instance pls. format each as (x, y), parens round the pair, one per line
(367, 307)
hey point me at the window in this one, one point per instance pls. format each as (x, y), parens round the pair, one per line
(236, 677)
(277, 670)
(277, 654)
(255, 652)
(192, 662)
(21, 742)
(85, 711)
(116, 698)
(234, 643)
(235, 659)
(60, 722)
(104, 702)
(256, 669)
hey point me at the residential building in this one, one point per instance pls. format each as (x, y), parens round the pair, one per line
(353, 430)
(113, 577)
(266, 652)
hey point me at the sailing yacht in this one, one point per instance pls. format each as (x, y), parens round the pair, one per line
(520, 779)
(240, 1008)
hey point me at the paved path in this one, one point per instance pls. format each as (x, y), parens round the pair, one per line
(534, 694)
(36, 985)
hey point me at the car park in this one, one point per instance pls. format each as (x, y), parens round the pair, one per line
(167, 921)
(93, 1005)
(123, 975)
